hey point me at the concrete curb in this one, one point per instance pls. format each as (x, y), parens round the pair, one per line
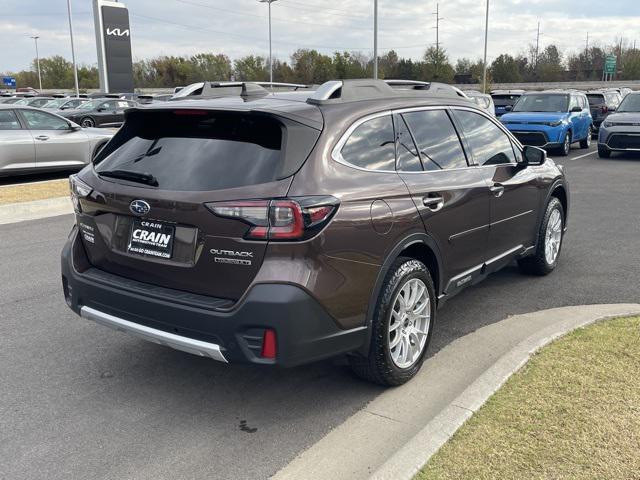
(20, 212)
(408, 461)
(399, 430)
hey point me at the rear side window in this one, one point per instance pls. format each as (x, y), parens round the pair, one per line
(437, 140)
(372, 145)
(489, 144)
(408, 157)
(8, 120)
(199, 151)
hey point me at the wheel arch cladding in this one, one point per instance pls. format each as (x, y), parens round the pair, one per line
(418, 246)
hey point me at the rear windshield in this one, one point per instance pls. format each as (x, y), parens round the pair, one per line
(198, 150)
(595, 98)
(504, 100)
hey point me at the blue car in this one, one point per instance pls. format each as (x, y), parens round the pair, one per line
(551, 120)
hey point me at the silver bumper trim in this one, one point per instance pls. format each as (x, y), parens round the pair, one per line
(185, 344)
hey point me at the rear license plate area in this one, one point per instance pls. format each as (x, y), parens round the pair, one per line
(151, 239)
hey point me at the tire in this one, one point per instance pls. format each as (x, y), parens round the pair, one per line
(385, 364)
(565, 148)
(87, 122)
(603, 152)
(541, 263)
(586, 143)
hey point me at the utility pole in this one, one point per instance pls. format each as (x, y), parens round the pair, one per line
(35, 38)
(270, 50)
(586, 48)
(537, 46)
(73, 50)
(486, 38)
(438, 18)
(375, 39)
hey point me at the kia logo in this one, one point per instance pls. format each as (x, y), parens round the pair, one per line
(116, 32)
(139, 207)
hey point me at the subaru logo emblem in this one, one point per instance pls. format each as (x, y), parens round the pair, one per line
(139, 207)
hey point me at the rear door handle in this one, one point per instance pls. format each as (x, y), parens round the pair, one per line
(43, 138)
(434, 202)
(497, 190)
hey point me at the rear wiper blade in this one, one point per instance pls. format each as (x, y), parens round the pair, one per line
(137, 177)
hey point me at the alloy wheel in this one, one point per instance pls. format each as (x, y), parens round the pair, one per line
(553, 237)
(409, 323)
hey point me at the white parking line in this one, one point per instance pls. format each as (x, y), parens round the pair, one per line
(585, 155)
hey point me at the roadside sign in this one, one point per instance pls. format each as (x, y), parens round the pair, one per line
(9, 82)
(610, 64)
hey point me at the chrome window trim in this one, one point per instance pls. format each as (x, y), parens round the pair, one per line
(336, 153)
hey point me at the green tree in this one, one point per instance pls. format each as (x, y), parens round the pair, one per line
(436, 66)
(251, 68)
(56, 71)
(506, 69)
(211, 67)
(311, 67)
(549, 67)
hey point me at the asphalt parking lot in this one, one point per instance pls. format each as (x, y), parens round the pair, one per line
(80, 401)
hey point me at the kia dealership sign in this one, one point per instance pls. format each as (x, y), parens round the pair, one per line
(113, 37)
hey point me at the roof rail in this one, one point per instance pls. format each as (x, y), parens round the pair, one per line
(342, 91)
(295, 86)
(434, 87)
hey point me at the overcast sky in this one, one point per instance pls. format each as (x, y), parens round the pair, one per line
(239, 27)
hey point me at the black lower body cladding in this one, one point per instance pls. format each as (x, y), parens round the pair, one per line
(305, 332)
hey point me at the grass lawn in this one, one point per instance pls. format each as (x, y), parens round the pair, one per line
(572, 413)
(35, 191)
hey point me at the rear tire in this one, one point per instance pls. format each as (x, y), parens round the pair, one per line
(603, 152)
(586, 143)
(549, 242)
(87, 122)
(397, 320)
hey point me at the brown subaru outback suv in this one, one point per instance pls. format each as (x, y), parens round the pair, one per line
(285, 228)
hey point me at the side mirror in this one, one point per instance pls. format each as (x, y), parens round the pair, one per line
(508, 108)
(533, 156)
(612, 109)
(74, 128)
(576, 109)
(100, 109)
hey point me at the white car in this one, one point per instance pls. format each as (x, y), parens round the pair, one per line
(32, 140)
(483, 100)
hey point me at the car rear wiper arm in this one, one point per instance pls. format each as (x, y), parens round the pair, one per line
(137, 177)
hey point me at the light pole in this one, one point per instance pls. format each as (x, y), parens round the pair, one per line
(73, 50)
(35, 38)
(270, 50)
(486, 37)
(375, 39)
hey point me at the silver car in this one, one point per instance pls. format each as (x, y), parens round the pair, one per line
(620, 131)
(32, 140)
(483, 100)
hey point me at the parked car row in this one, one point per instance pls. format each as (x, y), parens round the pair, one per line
(555, 119)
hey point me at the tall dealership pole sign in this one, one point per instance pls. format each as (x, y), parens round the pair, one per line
(113, 37)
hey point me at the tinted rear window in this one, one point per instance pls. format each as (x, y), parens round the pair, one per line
(198, 152)
(504, 100)
(595, 99)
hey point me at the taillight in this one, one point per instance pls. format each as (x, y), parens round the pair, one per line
(78, 189)
(282, 219)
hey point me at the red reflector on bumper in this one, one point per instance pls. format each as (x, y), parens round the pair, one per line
(268, 344)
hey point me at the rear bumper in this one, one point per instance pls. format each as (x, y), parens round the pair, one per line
(305, 332)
